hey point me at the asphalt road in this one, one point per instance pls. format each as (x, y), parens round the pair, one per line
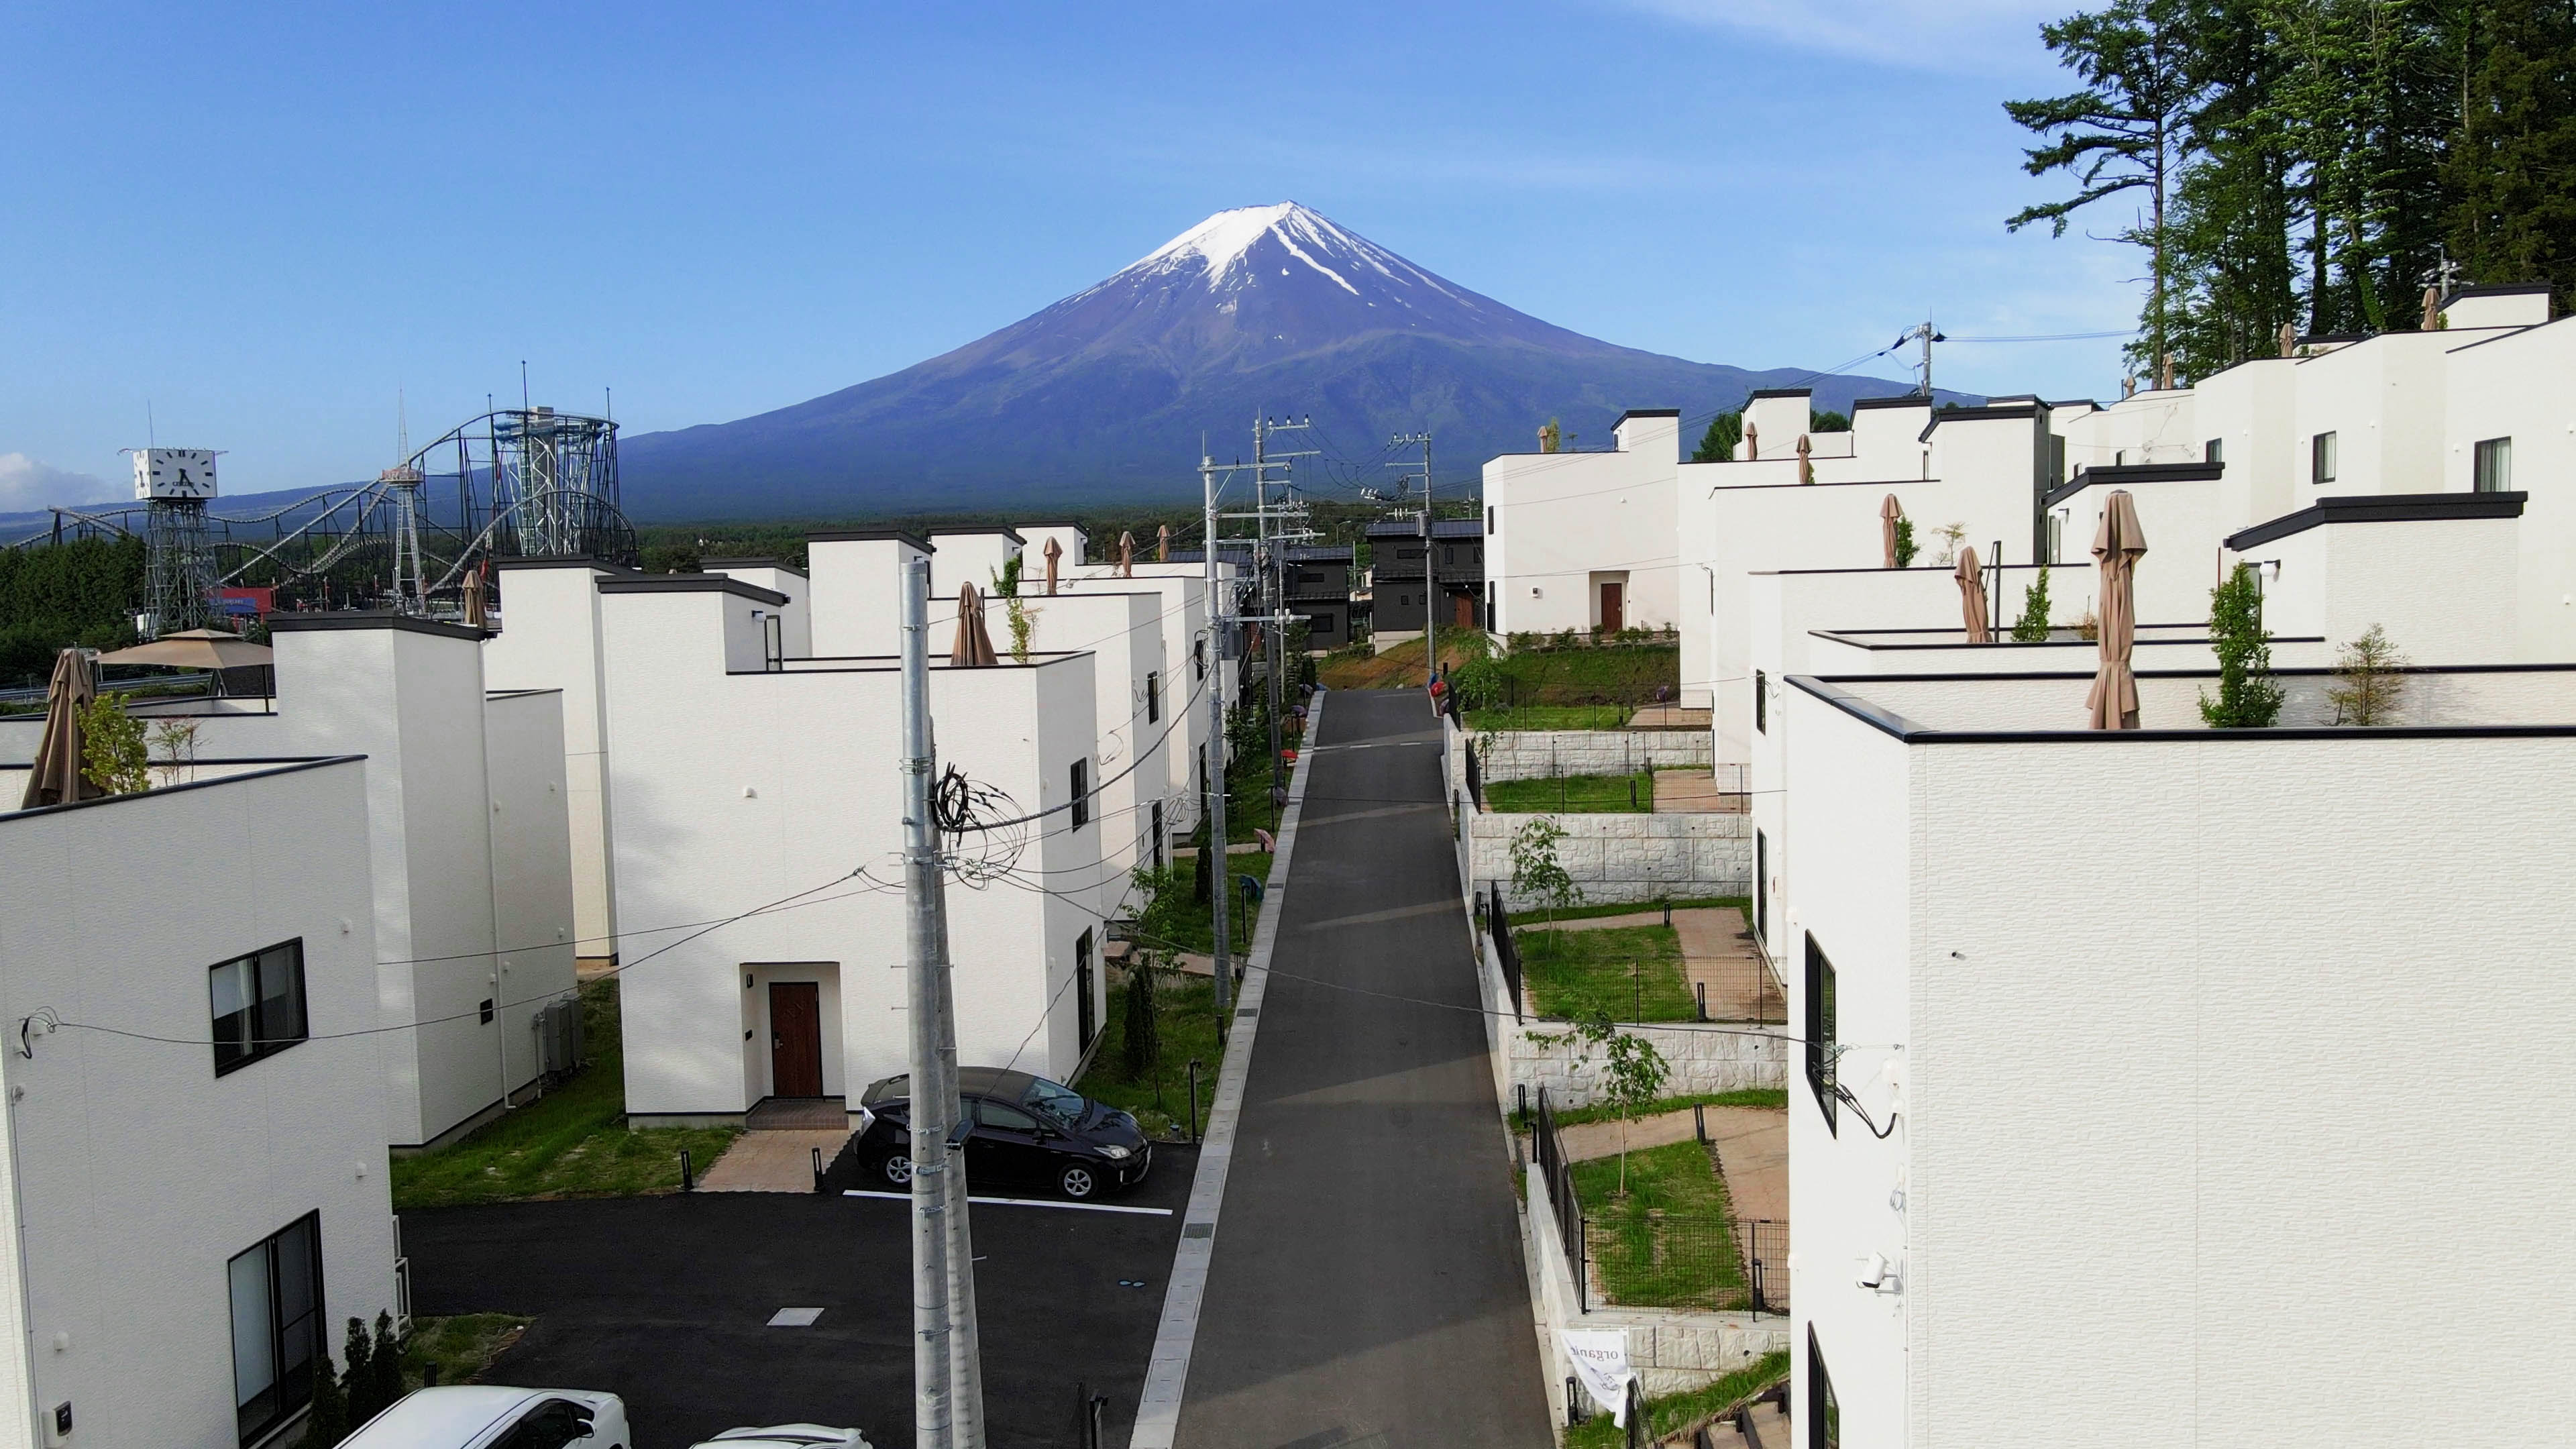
(1367, 1287)
(665, 1302)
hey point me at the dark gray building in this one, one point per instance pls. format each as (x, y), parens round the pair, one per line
(1401, 591)
(1316, 584)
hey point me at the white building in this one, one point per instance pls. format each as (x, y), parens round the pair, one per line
(549, 639)
(195, 1143)
(468, 835)
(1577, 540)
(737, 782)
(2156, 1093)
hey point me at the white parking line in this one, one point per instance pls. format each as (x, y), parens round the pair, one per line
(1085, 1207)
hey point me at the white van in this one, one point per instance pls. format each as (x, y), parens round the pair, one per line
(485, 1416)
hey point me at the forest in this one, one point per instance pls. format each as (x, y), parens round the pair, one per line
(2313, 165)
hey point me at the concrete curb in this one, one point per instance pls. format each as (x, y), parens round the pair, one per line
(1167, 1372)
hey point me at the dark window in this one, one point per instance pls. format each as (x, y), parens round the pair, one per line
(2321, 458)
(258, 1005)
(554, 1424)
(1762, 887)
(1009, 1119)
(2213, 451)
(1824, 1416)
(276, 1292)
(1081, 793)
(1408, 553)
(1489, 518)
(2056, 458)
(1820, 1030)
(1086, 1016)
(1198, 659)
(1153, 697)
(2495, 466)
(1158, 835)
(487, 1011)
(1761, 703)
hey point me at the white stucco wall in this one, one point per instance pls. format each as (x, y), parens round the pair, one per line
(796, 616)
(855, 596)
(2445, 591)
(972, 556)
(1562, 523)
(531, 869)
(2518, 386)
(139, 1173)
(737, 789)
(2153, 1162)
(549, 639)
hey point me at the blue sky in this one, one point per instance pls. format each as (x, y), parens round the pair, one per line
(264, 225)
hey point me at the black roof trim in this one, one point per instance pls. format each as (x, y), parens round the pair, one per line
(288, 765)
(1913, 733)
(2118, 475)
(1010, 534)
(1849, 639)
(780, 564)
(1980, 413)
(1763, 392)
(575, 561)
(2077, 402)
(872, 535)
(1903, 400)
(2501, 289)
(692, 584)
(2381, 508)
(321, 619)
(1073, 523)
(1648, 413)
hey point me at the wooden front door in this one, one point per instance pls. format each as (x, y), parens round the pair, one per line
(1613, 608)
(1463, 612)
(795, 1039)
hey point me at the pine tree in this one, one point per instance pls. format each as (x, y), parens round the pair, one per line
(2513, 167)
(1717, 445)
(364, 1403)
(384, 1366)
(327, 1423)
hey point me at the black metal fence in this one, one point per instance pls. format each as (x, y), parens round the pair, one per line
(1475, 778)
(1559, 1177)
(1498, 924)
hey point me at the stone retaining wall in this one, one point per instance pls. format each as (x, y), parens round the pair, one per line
(1542, 754)
(1703, 1059)
(1615, 858)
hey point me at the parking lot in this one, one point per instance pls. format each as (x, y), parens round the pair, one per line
(666, 1302)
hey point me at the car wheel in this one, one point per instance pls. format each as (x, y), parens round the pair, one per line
(896, 1168)
(1078, 1181)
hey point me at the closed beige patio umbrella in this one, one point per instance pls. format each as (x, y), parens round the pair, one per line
(474, 608)
(57, 777)
(1888, 512)
(1163, 544)
(1053, 552)
(974, 647)
(2117, 546)
(1127, 555)
(1972, 597)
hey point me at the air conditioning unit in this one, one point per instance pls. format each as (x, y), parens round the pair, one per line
(559, 1044)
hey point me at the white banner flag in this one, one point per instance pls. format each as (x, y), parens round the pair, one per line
(1600, 1360)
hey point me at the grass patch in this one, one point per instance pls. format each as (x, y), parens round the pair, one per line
(462, 1346)
(572, 1142)
(1185, 1023)
(1574, 794)
(1775, 1098)
(1634, 973)
(1402, 666)
(1625, 675)
(1675, 1413)
(1670, 1241)
(1173, 921)
(1537, 916)
(1549, 717)
(1247, 802)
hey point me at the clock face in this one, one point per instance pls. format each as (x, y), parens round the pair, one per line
(174, 473)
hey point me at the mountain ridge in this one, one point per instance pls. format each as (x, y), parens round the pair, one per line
(1103, 395)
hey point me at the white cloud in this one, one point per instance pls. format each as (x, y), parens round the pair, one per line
(27, 484)
(1979, 35)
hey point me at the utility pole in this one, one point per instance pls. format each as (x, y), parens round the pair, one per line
(965, 1335)
(1274, 592)
(1430, 561)
(1923, 332)
(932, 1391)
(1218, 881)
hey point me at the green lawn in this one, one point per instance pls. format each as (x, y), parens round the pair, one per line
(1549, 717)
(1620, 674)
(1574, 794)
(1670, 1241)
(462, 1346)
(1173, 921)
(1675, 1413)
(1247, 803)
(1159, 1094)
(1634, 973)
(1775, 1098)
(572, 1142)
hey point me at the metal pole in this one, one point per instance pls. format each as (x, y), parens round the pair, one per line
(931, 1389)
(965, 1355)
(1430, 572)
(1217, 632)
(1276, 646)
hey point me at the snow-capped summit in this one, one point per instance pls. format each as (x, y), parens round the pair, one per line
(1106, 394)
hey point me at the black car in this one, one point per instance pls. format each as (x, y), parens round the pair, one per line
(1028, 1132)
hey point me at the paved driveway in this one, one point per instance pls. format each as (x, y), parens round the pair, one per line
(1367, 1286)
(666, 1300)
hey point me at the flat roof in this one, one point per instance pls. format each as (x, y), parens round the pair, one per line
(1762, 392)
(1902, 400)
(780, 564)
(2121, 475)
(274, 765)
(2380, 508)
(326, 619)
(1648, 413)
(870, 535)
(692, 584)
(978, 533)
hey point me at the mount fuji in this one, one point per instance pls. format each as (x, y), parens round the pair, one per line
(1104, 396)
